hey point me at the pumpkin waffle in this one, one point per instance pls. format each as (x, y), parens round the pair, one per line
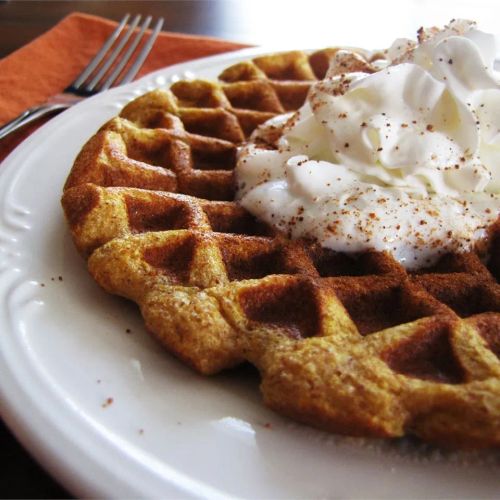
(355, 345)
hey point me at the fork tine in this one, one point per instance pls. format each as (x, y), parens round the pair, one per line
(129, 76)
(124, 60)
(98, 57)
(111, 59)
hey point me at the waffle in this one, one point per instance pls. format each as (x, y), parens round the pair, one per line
(355, 345)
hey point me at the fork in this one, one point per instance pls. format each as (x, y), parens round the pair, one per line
(87, 83)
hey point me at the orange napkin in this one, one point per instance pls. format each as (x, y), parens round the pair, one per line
(51, 62)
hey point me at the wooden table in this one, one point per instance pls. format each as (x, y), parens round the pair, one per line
(265, 22)
(20, 22)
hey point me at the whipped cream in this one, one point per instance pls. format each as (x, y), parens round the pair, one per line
(403, 158)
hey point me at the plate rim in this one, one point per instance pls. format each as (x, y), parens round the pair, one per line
(36, 439)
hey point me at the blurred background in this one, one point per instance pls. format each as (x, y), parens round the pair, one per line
(274, 23)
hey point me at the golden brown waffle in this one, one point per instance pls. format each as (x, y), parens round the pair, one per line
(355, 345)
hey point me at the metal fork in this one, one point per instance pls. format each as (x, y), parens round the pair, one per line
(84, 86)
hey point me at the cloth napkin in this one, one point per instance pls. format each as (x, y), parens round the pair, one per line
(52, 61)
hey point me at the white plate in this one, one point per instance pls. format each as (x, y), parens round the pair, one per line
(168, 432)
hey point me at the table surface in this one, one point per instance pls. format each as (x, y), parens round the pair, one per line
(263, 22)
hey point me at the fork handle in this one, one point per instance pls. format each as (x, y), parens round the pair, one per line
(29, 116)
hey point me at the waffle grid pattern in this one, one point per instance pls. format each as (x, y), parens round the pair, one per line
(354, 345)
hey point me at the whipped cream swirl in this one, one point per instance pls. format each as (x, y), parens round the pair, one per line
(403, 158)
